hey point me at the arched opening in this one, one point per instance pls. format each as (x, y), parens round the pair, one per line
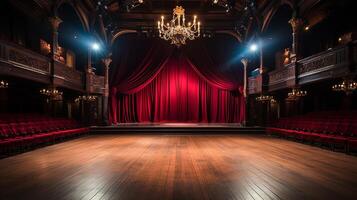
(277, 37)
(73, 38)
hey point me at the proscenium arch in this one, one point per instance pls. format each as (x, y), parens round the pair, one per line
(80, 13)
(272, 11)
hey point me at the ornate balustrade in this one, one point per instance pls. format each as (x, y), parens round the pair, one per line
(327, 64)
(16, 60)
(255, 84)
(282, 78)
(68, 77)
(333, 63)
(95, 83)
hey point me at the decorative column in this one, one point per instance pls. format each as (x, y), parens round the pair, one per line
(261, 64)
(296, 25)
(89, 73)
(107, 61)
(245, 64)
(55, 22)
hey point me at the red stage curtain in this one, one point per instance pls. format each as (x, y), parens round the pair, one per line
(150, 82)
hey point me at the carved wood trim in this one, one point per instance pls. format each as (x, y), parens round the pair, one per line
(323, 61)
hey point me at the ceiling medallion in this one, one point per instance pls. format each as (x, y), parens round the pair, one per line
(347, 86)
(177, 30)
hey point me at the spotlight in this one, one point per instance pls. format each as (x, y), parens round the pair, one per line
(307, 28)
(215, 1)
(95, 46)
(253, 47)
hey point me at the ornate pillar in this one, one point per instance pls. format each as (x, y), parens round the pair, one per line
(55, 22)
(296, 25)
(107, 61)
(245, 64)
(261, 60)
(89, 73)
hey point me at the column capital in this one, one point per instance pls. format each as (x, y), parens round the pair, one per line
(245, 61)
(296, 24)
(55, 22)
(107, 61)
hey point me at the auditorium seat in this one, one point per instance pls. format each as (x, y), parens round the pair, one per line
(22, 131)
(336, 129)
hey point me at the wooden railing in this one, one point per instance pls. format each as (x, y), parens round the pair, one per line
(282, 78)
(69, 77)
(18, 61)
(23, 58)
(95, 84)
(323, 61)
(336, 62)
(255, 84)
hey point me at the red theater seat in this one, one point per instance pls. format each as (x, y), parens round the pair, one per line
(336, 129)
(23, 131)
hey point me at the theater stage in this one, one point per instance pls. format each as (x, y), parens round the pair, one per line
(133, 166)
(180, 128)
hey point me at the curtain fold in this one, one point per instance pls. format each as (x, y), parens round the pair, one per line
(153, 82)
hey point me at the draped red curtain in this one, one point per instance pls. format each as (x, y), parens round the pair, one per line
(165, 85)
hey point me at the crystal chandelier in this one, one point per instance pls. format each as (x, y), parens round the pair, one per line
(4, 84)
(177, 30)
(264, 98)
(53, 93)
(347, 86)
(296, 93)
(87, 98)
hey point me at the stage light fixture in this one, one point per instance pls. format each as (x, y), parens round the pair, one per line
(253, 47)
(95, 46)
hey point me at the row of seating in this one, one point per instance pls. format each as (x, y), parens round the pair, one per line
(26, 132)
(335, 129)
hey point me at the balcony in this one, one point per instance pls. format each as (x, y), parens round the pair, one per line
(18, 61)
(328, 64)
(333, 63)
(67, 77)
(282, 78)
(95, 84)
(255, 84)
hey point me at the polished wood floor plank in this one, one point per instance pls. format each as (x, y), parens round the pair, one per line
(179, 167)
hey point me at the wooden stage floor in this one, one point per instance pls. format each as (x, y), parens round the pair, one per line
(179, 167)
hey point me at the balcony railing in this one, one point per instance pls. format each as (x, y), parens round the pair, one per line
(332, 63)
(282, 78)
(323, 61)
(23, 59)
(255, 84)
(68, 77)
(95, 83)
(18, 61)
